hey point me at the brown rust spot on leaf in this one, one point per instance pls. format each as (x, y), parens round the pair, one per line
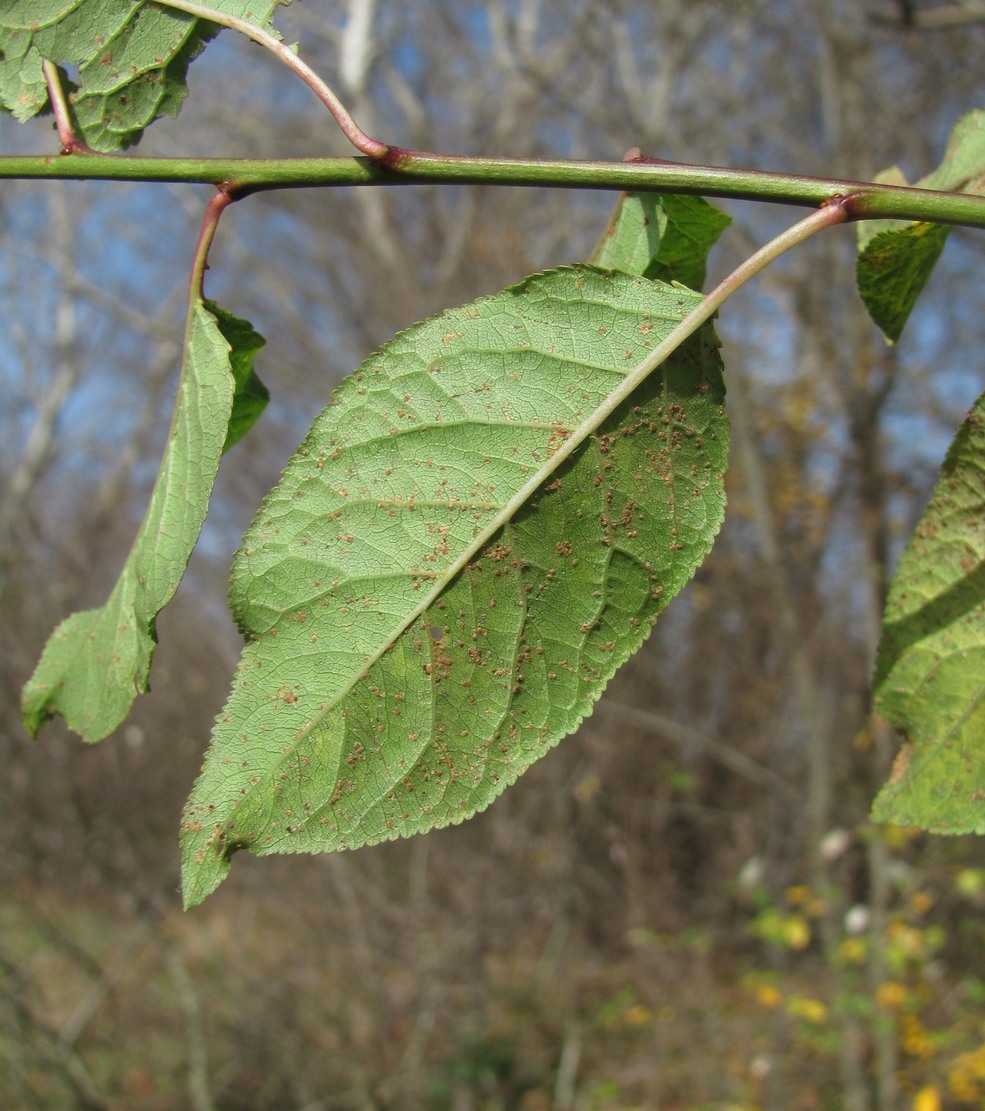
(901, 764)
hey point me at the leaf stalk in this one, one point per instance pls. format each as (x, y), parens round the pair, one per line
(71, 144)
(364, 143)
(826, 217)
(210, 223)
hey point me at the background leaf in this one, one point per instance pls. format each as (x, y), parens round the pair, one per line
(96, 662)
(930, 673)
(894, 268)
(250, 395)
(131, 59)
(631, 240)
(663, 237)
(964, 159)
(383, 693)
(693, 228)
(895, 258)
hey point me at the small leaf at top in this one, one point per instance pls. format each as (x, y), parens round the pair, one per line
(693, 228)
(632, 237)
(96, 662)
(131, 59)
(930, 671)
(964, 158)
(431, 602)
(896, 259)
(664, 237)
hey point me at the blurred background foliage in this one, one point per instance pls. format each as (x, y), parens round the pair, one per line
(684, 906)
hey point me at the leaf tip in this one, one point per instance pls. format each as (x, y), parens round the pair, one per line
(203, 868)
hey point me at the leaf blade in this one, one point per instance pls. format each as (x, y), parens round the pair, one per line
(693, 228)
(132, 59)
(664, 237)
(893, 269)
(96, 662)
(895, 259)
(354, 693)
(632, 237)
(930, 671)
(250, 395)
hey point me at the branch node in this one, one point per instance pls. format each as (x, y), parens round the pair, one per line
(851, 204)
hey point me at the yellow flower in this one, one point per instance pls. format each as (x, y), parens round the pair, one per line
(811, 1009)
(967, 1076)
(853, 950)
(890, 995)
(927, 1099)
(798, 893)
(796, 932)
(768, 996)
(637, 1015)
(970, 881)
(921, 901)
(916, 1039)
(907, 940)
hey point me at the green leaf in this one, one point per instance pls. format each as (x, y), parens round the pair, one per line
(930, 672)
(896, 259)
(666, 238)
(251, 395)
(96, 662)
(23, 90)
(869, 229)
(893, 269)
(964, 158)
(132, 59)
(693, 228)
(631, 240)
(421, 628)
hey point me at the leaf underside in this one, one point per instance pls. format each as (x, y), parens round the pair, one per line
(96, 662)
(896, 259)
(128, 60)
(893, 270)
(930, 672)
(402, 670)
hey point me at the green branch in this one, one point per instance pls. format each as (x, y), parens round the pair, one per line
(863, 200)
